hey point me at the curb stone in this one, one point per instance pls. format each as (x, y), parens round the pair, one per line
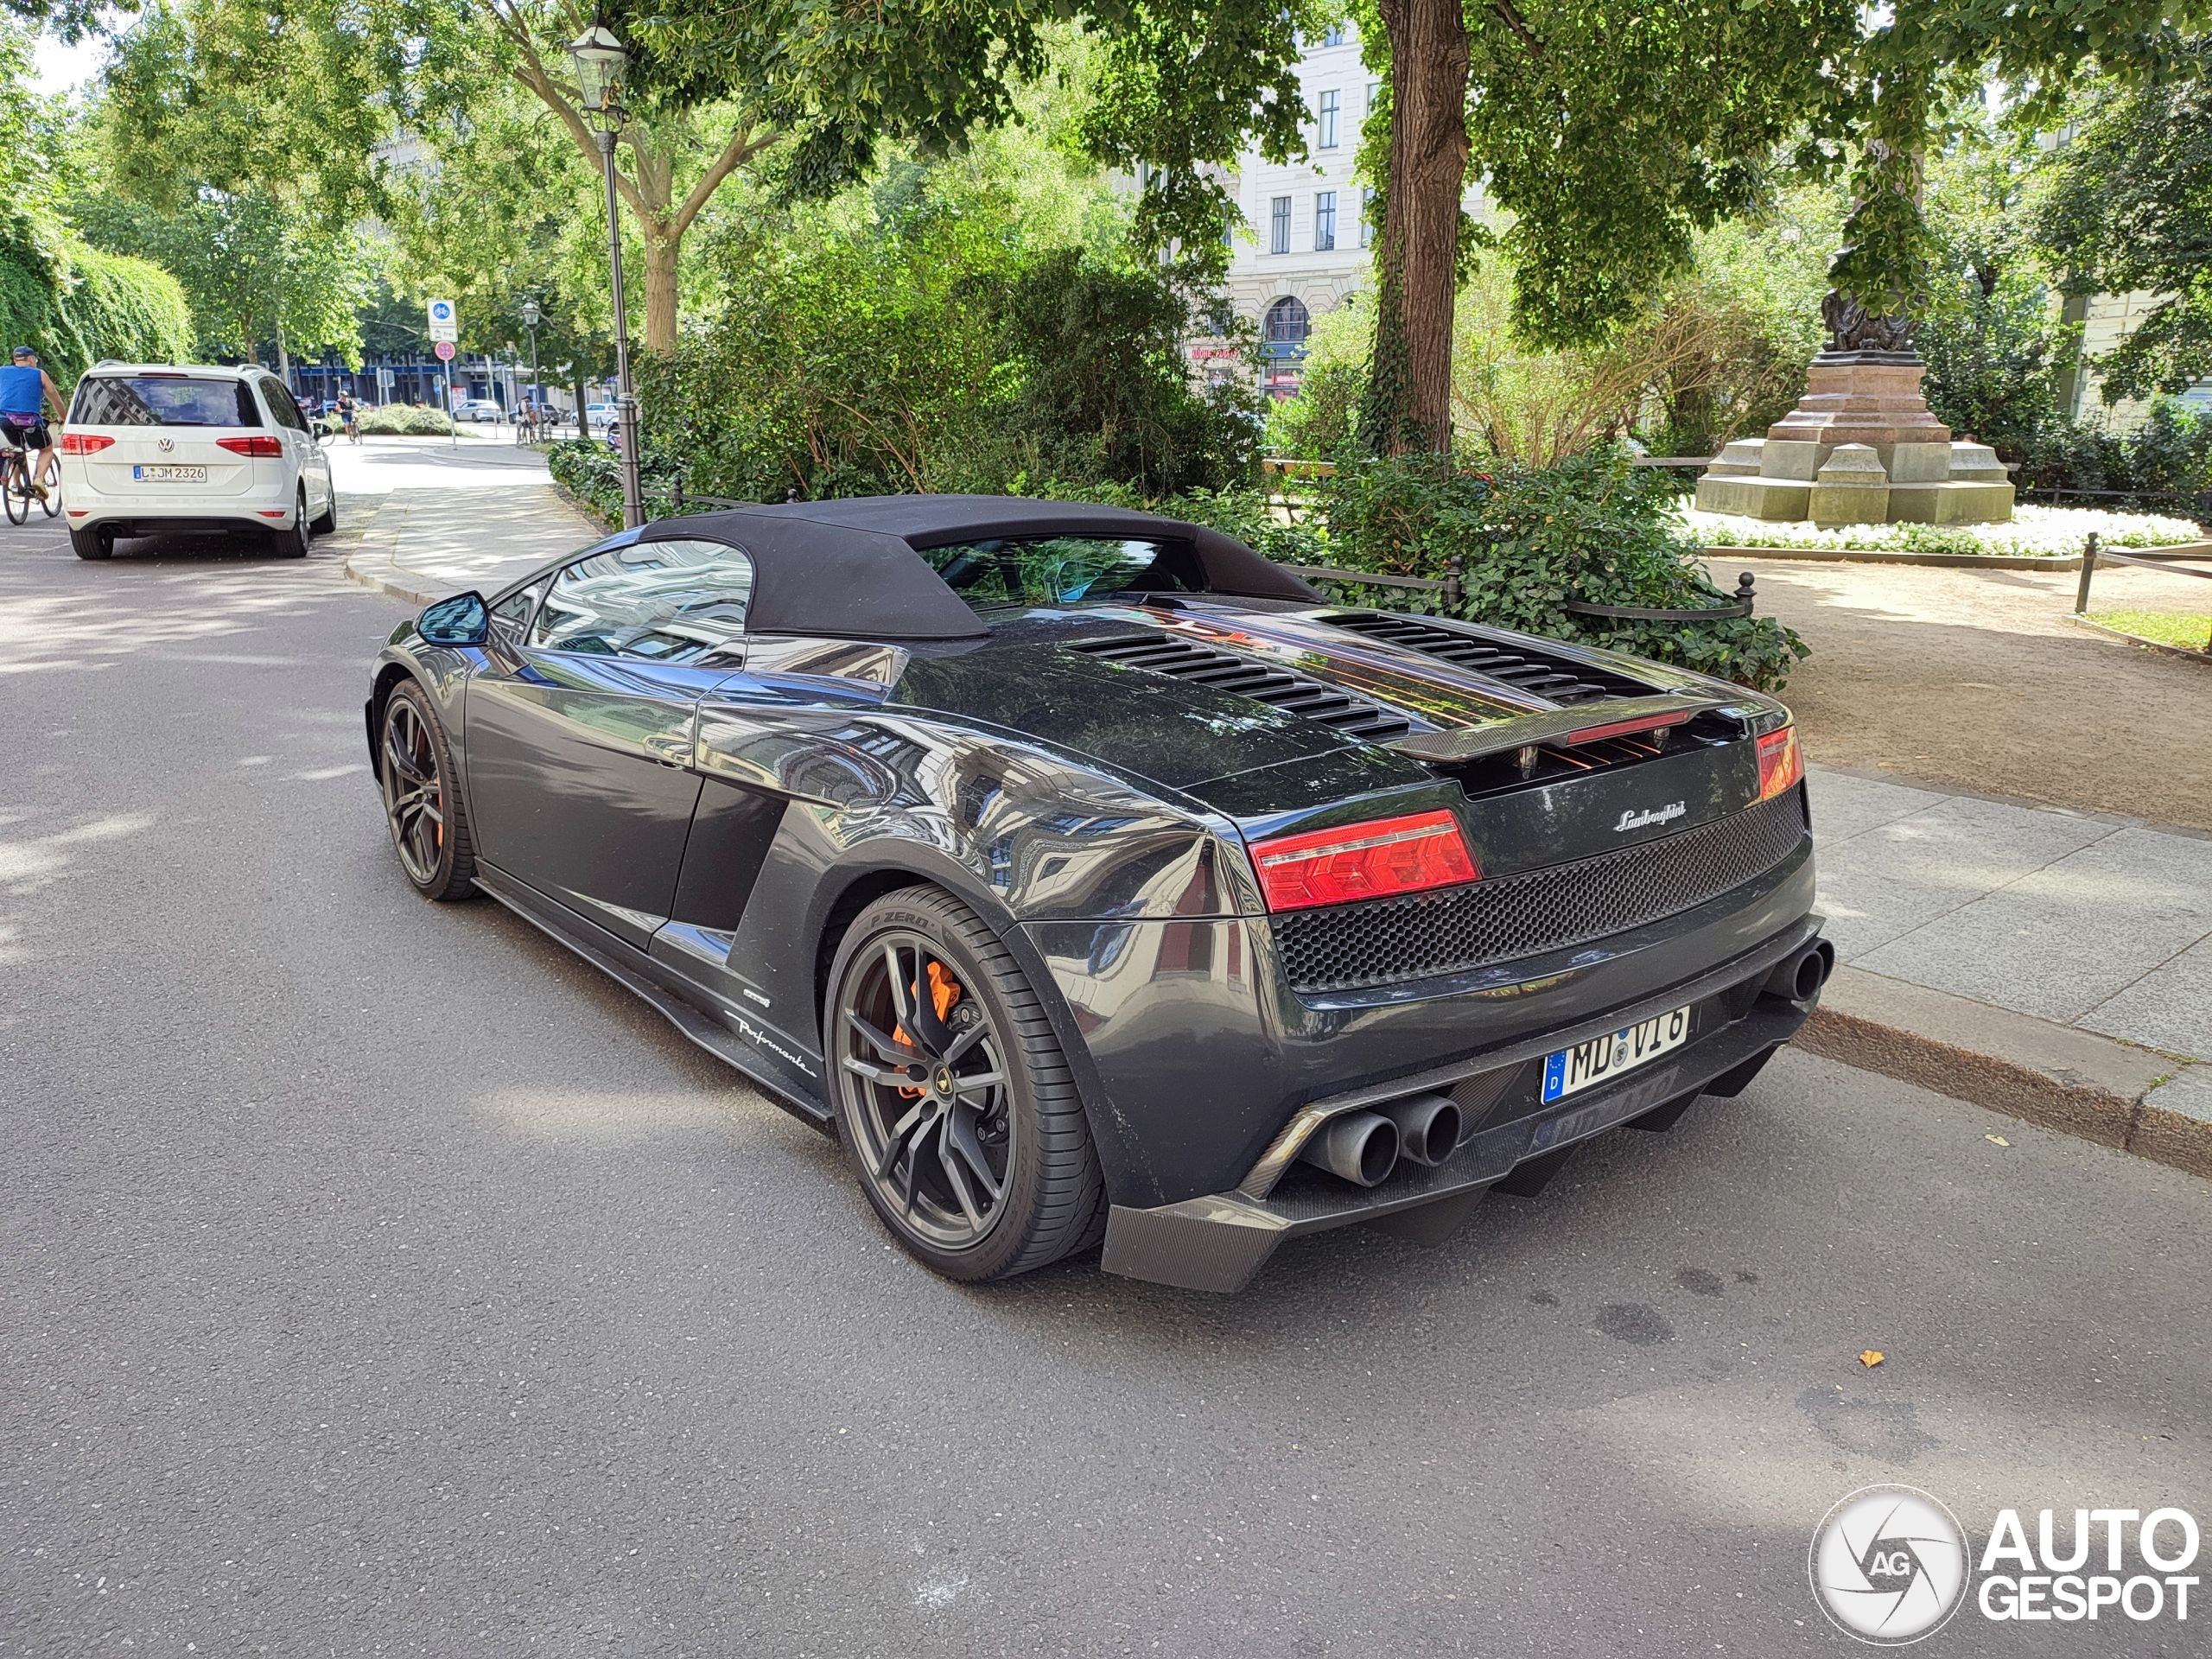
(2059, 1077)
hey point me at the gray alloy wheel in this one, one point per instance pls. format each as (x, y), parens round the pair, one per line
(429, 829)
(954, 1101)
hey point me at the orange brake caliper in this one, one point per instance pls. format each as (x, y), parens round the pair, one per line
(944, 991)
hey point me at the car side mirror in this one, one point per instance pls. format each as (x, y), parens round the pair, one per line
(464, 619)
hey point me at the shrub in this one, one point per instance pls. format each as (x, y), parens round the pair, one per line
(1531, 538)
(404, 421)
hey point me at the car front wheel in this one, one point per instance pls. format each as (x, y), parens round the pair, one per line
(955, 1102)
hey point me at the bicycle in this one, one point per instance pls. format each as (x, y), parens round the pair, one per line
(17, 488)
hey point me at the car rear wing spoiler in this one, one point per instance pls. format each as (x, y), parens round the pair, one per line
(1588, 722)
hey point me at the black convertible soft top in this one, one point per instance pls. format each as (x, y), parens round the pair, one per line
(851, 568)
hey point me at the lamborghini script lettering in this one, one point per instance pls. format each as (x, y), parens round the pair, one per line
(1666, 814)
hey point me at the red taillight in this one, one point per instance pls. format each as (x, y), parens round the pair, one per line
(251, 446)
(83, 443)
(1780, 763)
(1363, 860)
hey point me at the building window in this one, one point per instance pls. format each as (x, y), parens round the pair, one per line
(1374, 95)
(1325, 220)
(1366, 216)
(1283, 330)
(1279, 225)
(1326, 115)
(1333, 35)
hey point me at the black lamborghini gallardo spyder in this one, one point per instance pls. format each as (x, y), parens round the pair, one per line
(1091, 878)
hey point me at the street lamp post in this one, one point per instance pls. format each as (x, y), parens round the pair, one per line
(531, 316)
(601, 61)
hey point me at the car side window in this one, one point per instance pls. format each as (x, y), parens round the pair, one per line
(512, 614)
(665, 602)
(282, 409)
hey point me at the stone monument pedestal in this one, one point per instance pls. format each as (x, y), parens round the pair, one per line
(1861, 448)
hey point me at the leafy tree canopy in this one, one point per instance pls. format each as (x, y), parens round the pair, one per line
(2128, 208)
(1183, 85)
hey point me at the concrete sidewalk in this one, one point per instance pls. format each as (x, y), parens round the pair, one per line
(2052, 964)
(419, 519)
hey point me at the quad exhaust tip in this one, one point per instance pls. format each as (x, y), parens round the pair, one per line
(1361, 1147)
(1428, 1127)
(1801, 978)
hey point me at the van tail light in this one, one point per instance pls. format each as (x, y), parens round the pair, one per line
(1364, 860)
(83, 443)
(268, 446)
(1782, 764)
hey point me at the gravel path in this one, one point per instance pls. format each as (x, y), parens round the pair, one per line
(1979, 680)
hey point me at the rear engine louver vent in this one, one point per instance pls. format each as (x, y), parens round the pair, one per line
(1557, 679)
(1184, 659)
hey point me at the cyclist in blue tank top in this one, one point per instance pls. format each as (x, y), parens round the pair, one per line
(25, 390)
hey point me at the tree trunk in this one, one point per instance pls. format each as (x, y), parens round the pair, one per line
(662, 247)
(1410, 406)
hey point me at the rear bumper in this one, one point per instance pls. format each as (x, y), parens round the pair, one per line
(268, 505)
(1220, 1240)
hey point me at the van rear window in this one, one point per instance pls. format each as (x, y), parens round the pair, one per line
(162, 400)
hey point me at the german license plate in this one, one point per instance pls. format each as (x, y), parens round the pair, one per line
(1603, 1059)
(169, 475)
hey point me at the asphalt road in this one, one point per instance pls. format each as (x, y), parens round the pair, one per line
(376, 1280)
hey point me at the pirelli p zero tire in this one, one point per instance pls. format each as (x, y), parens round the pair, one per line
(97, 543)
(422, 800)
(954, 1101)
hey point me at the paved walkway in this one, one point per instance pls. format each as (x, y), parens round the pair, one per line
(1980, 681)
(420, 519)
(2088, 920)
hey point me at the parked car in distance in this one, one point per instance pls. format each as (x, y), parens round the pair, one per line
(601, 415)
(479, 410)
(158, 449)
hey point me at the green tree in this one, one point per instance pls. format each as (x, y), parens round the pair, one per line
(256, 273)
(2127, 208)
(1183, 87)
(198, 96)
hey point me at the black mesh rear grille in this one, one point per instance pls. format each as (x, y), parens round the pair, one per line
(1557, 679)
(1388, 941)
(1186, 659)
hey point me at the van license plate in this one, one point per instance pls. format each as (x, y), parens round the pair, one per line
(1603, 1059)
(169, 475)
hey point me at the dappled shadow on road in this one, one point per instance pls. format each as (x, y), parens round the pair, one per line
(155, 595)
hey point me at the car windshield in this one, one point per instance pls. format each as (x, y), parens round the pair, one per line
(162, 400)
(1061, 569)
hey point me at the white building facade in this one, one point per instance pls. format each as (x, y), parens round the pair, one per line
(1306, 245)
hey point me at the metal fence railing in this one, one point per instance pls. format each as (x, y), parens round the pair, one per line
(2173, 560)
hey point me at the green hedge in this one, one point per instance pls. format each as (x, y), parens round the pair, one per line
(78, 305)
(402, 421)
